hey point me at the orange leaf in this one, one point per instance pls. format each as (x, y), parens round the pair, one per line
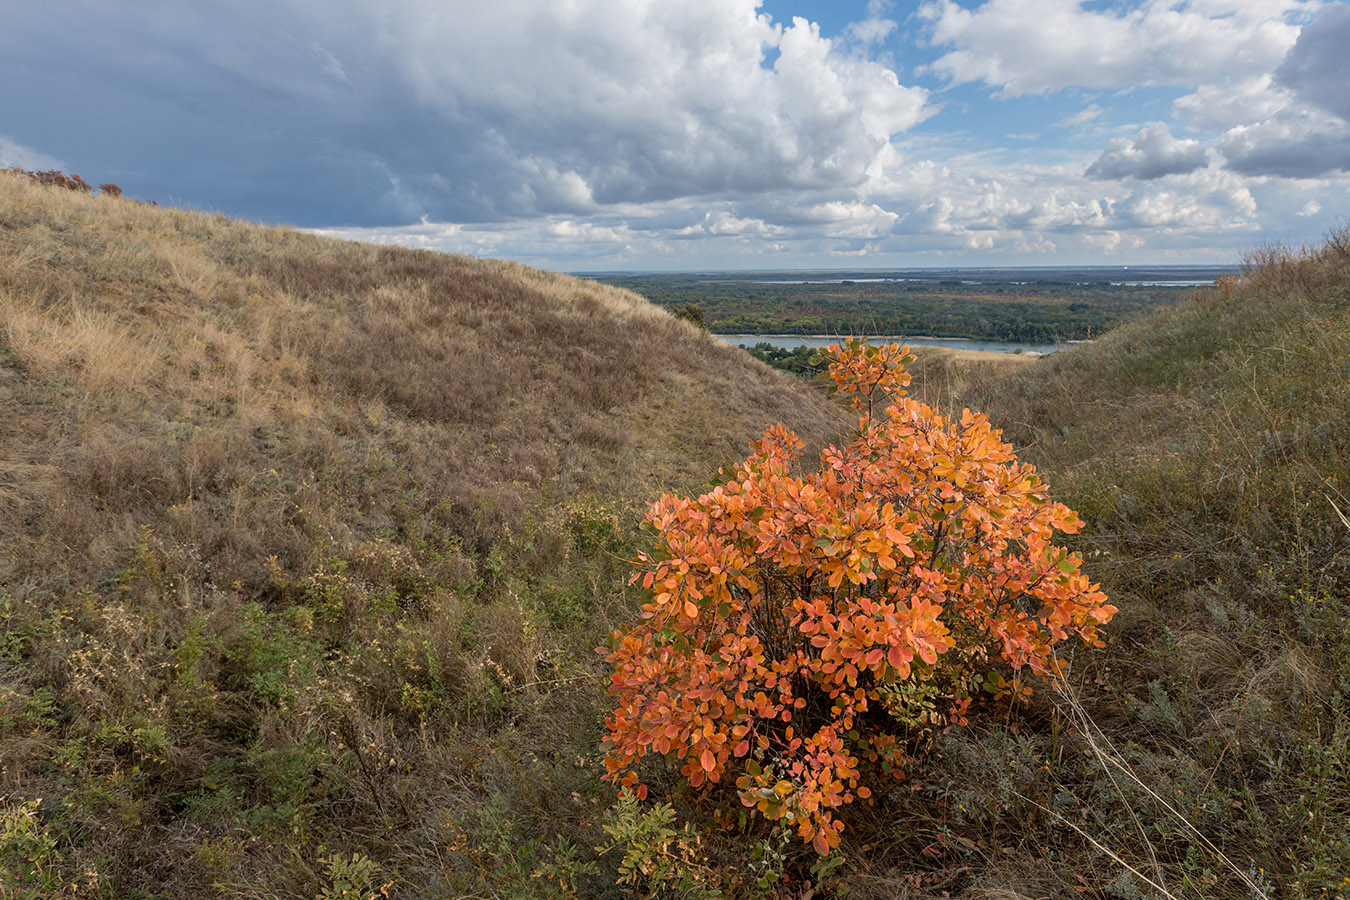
(707, 760)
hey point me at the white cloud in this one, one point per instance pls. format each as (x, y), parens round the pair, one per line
(648, 100)
(1153, 153)
(15, 154)
(1291, 120)
(939, 211)
(1294, 143)
(1218, 107)
(876, 27)
(1084, 116)
(1031, 203)
(1035, 46)
(1207, 201)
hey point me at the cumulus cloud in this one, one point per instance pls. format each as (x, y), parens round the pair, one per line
(1153, 153)
(1292, 121)
(1035, 46)
(959, 201)
(1215, 201)
(471, 111)
(1218, 107)
(938, 210)
(1295, 143)
(655, 101)
(876, 27)
(1317, 69)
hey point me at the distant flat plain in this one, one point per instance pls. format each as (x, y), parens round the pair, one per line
(1036, 309)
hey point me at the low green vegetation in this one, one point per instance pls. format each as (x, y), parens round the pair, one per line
(802, 361)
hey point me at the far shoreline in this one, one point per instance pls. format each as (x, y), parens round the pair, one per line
(977, 345)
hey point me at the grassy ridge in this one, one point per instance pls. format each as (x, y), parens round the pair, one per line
(305, 546)
(1208, 448)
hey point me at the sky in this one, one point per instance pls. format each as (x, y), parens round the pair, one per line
(649, 135)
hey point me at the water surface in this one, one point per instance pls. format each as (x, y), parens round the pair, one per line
(792, 341)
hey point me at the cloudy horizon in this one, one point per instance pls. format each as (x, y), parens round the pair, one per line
(733, 134)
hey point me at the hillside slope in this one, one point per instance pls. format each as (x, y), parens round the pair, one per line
(305, 545)
(1208, 449)
(154, 355)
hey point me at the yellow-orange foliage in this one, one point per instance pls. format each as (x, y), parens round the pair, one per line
(785, 611)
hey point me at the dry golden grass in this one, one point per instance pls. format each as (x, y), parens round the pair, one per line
(942, 375)
(277, 509)
(156, 334)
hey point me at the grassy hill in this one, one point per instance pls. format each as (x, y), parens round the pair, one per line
(1208, 448)
(305, 547)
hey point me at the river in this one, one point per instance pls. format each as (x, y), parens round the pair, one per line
(790, 341)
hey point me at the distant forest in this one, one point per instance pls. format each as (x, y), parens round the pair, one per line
(1036, 306)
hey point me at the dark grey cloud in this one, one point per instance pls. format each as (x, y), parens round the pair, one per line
(1291, 145)
(369, 112)
(188, 103)
(1317, 68)
(1153, 153)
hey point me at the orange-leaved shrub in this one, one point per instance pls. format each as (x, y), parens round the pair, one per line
(799, 627)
